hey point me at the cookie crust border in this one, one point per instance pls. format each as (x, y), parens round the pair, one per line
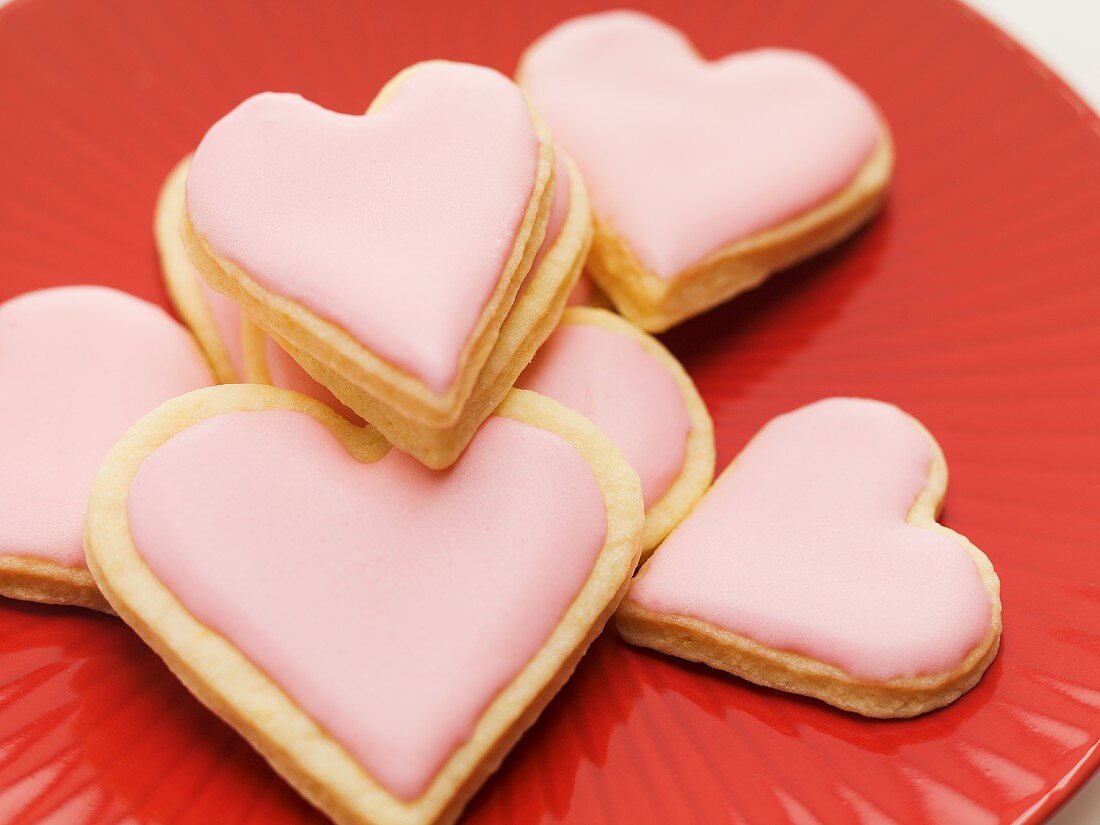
(228, 683)
(337, 350)
(696, 640)
(180, 277)
(36, 580)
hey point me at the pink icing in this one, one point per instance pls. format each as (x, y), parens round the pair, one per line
(287, 373)
(684, 156)
(394, 225)
(607, 377)
(559, 209)
(391, 602)
(227, 318)
(805, 547)
(582, 293)
(78, 366)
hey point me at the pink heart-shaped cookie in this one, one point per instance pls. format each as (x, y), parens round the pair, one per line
(627, 384)
(78, 366)
(368, 623)
(686, 158)
(387, 245)
(221, 329)
(815, 565)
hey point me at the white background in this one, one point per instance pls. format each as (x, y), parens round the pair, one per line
(1064, 33)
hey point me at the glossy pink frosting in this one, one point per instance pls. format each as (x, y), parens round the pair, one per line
(227, 318)
(391, 602)
(684, 156)
(395, 225)
(805, 547)
(607, 377)
(78, 366)
(559, 210)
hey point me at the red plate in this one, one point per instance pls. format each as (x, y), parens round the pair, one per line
(974, 302)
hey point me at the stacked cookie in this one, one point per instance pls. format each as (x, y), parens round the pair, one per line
(393, 255)
(425, 484)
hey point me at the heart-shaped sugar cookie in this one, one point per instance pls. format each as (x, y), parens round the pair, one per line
(366, 622)
(537, 309)
(238, 349)
(815, 565)
(78, 366)
(388, 247)
(640, 397)
(704, 176)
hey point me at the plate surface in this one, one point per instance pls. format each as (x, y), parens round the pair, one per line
(974, 302)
